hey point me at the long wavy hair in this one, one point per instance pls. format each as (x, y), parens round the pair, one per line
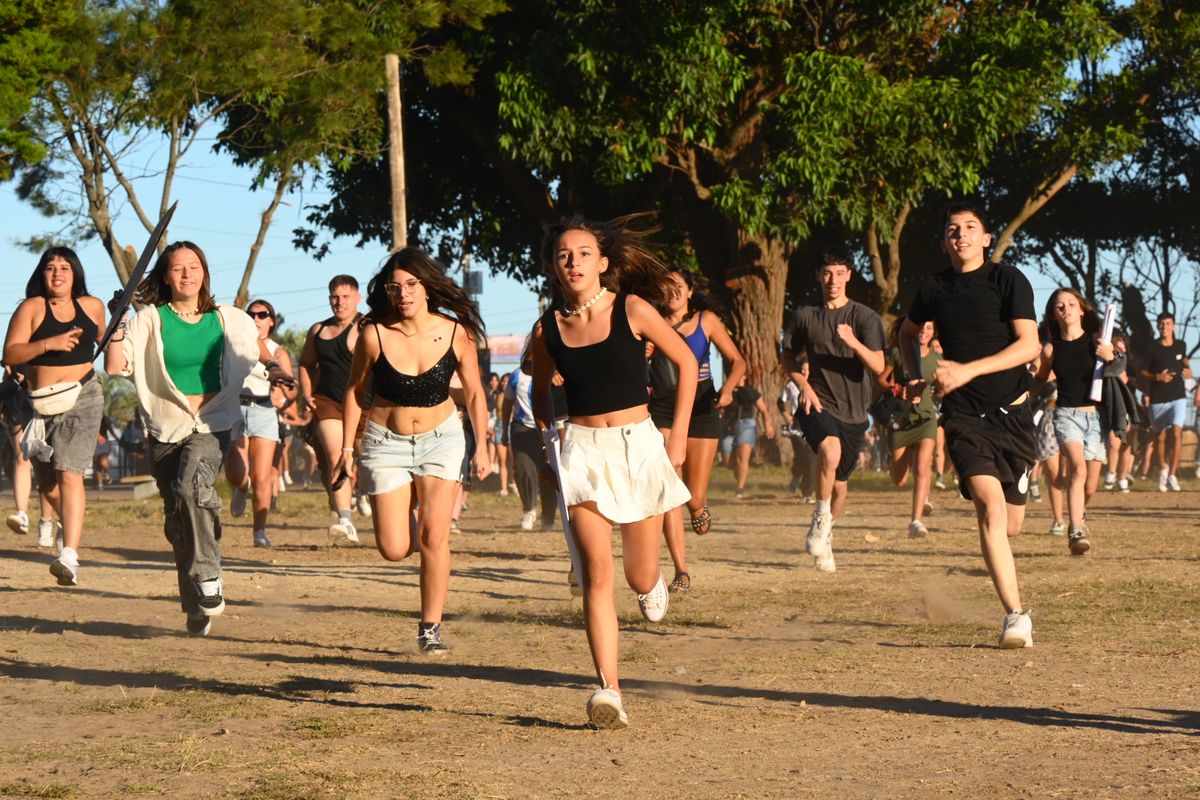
(445, 296)
(1051, 330)
(700, 299)
(632, 267)
(154, 291)
(36, 287)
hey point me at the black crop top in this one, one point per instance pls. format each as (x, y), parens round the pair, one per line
(600, 378)
(333, 364)
(430, 388)
(81, 353)
(1073, 363)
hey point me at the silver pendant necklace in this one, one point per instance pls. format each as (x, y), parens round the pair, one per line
(574, 312)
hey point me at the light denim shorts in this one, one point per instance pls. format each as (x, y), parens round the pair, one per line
(1164, 415)
(1080, 425)
(72, 433)
(389, 460)
(745, 431)
(260, 421)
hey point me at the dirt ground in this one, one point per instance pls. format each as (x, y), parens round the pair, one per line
(768, 680)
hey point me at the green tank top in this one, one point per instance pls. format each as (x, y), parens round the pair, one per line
(192, 352)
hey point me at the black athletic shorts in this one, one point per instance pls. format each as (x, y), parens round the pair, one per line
(705, 422)
(1000, 444)
(816, 426)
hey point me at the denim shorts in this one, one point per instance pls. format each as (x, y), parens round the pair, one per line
(259, 421)
(390, 460)
(1172, 412)
(745, 431)
(72, 434)
(1080, 425)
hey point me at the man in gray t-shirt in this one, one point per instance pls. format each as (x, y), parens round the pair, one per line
(843, 341)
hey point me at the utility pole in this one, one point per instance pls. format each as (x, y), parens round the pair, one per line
(396, 153)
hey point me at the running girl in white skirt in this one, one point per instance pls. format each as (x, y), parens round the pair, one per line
(615, 468)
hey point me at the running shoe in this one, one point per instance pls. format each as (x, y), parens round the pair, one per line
(940, 483)
(46, 535)
(1173, 484)
(1057, 528)
(1035, 492)
(1018, 630)
(917, 529)
(237, 503)
(654, 602)
(66, 568)
(261, 540)
(1110, 480)
(527, 520)
(1163, 477)
(19, 522)
(1123, 485)
(820, 542)
(429, 638)
(1078, 543)
(928, 507)
(343, 532)
(364, 505)
(212, 602)
(199, 625)
(287, 478)
(605, 711)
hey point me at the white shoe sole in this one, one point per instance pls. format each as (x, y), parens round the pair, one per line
(340, 534)
(1015, 642)
(825, 563)
(15, 526)
(65, 574)
(607, 715)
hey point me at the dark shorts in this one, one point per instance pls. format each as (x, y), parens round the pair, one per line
(705, 422)
(999, 444)
(819, 425)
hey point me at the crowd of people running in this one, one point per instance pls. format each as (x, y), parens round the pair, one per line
(615, 381)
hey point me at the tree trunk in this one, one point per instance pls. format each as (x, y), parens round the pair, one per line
(886, 273)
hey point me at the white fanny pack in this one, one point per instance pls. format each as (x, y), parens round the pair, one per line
(57, 398)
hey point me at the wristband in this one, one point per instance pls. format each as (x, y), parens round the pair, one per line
(347, 449)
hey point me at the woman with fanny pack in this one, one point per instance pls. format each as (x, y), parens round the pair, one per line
(250, 467)
(189, 358)
(422, 330)
(55, 331)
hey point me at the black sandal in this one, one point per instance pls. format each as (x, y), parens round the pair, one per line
(681, 584)
(702, 522)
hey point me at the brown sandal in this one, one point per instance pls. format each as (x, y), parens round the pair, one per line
(681, 584)
(702, 522)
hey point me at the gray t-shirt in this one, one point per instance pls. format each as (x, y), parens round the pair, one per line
(840, 380)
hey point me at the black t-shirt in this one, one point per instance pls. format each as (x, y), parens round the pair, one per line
(1159, 357)
(973, 312)
(745, 402)
(1073, 364)
(841, 382)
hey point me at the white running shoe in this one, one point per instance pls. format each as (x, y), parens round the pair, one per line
(1018, 630)
(1057, 528)
(605, 711)
(364, 505)
(1163, 477)
(261, 540)
(917, 529)
(940, 483)
(46, 533)
(654, 602)
(527, 520)
(928, 507)
(1173, 484)
(820, 535)
(1123, 485)
(343, 532)
(19, 522)
(212, 601)
(66, 567)
(237, 503)
(287, 478)
(1110, 480)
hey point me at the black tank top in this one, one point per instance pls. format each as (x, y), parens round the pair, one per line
(1073, 363)
(333, 362)
(603, 377)
(426, 390)
(81, 353)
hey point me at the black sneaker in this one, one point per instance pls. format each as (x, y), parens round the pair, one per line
(429, 638)
(212, 602)
(1077, 541)
(199, 625)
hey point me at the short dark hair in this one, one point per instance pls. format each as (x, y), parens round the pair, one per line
(1165, 315)
(36, 287)
(965, 207)
(343, 280)
(833, 255)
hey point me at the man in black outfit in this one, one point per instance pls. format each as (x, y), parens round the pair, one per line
(1165, 369)
(988, 330)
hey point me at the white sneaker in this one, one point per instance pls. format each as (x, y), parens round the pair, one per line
(1018, 630)
(940, 483)
(46, 533)
(1173, 484)
(1163, 477)
(287, 478)
(19, 522)
(1057, 528)
(654, 602)
(928, 507)
(1123, 485)
(527, 520)
(1110, 480)
(212, 601)
(605, 711)
(66, 568)
(820, 535)
(917, 529)
(364, 505)
(343, 532)
(261, 540)
(237, 503)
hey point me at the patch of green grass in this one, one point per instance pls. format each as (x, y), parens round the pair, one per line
(23, 789)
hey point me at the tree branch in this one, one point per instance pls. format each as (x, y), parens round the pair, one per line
(1033, 203)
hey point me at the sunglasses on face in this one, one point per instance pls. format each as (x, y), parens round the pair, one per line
(260, 314)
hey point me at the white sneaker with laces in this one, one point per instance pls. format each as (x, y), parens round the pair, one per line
(1017, 631)
(46, 533)
(820, 534)
(527, 520)
(66, 567)
(364, 505)
(605, 711)
(1123, 485)
(917, 529)
(19, 522)
(1057, 528)
(654, 602)
(237, 503)
(1173, 484)
(1110, 480)
(1163, 477)
(212, 601)
(343, 532)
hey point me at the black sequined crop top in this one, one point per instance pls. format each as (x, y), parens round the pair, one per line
(430, 388)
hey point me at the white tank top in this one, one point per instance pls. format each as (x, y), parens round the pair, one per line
(256, 383)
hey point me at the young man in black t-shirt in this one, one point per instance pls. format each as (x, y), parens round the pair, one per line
(843, 341)
(986, 324)
(1165, 368)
